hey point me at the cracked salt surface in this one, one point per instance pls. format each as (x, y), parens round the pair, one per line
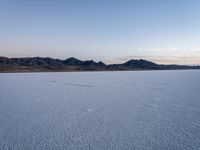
(100, 110)
(82, 85)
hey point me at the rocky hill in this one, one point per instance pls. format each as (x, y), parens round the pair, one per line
(38, 64)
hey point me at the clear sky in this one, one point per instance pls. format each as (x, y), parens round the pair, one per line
(164, 31)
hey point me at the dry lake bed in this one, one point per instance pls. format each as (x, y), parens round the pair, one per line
(144, 110)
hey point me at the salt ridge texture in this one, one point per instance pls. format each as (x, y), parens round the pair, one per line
(141, 110)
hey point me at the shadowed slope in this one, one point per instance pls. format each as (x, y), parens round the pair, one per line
(37, 64)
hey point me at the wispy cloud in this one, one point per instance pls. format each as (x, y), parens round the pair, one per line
(165, 55)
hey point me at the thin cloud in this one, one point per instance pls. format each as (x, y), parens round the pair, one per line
(165, 55)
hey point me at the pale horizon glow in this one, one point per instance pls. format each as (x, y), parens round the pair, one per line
(113, 31)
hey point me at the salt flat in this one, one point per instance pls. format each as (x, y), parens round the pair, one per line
(100, 110)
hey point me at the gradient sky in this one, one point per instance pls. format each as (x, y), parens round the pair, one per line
(164, 31)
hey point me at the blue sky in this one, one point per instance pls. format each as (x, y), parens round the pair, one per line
(164, 31)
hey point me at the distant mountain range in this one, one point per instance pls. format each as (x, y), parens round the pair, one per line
(38, 64)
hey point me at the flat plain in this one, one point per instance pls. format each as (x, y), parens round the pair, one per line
(144, 110)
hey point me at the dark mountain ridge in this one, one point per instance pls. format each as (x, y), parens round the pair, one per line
(39, 64)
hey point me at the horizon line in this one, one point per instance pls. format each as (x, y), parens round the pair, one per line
(122, 60)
